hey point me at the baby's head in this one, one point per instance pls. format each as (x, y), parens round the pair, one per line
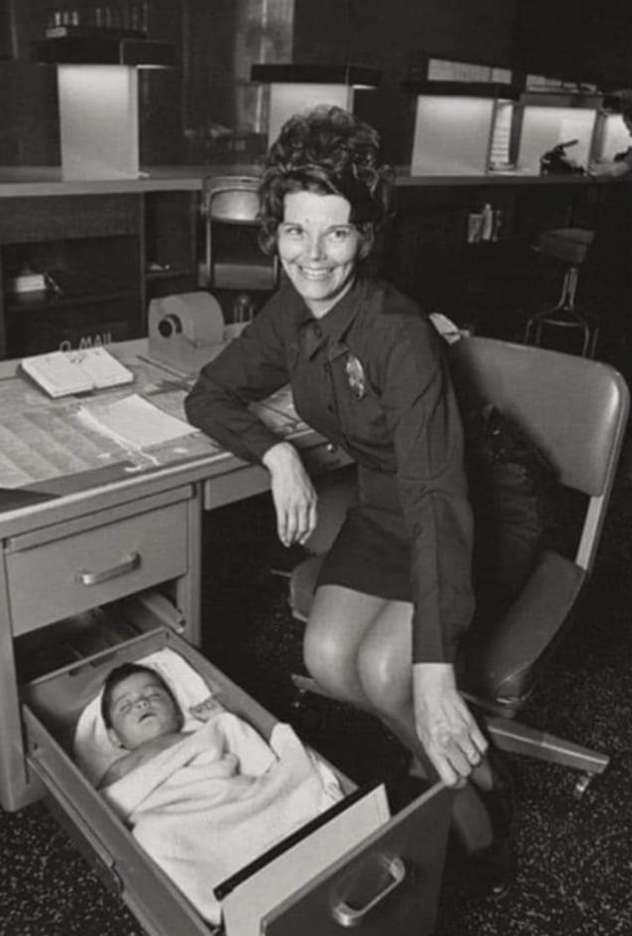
(138, 705)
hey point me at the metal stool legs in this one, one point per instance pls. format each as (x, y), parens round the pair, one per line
(566, 315)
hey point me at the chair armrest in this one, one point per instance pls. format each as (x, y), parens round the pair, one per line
(499, 658)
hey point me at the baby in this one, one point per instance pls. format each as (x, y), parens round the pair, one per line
(142, 716)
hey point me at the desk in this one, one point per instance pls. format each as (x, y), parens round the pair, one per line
(118, 523)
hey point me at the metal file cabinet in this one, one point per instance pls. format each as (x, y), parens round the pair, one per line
(115, 573)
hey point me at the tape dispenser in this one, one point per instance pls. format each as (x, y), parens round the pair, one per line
(186, 331)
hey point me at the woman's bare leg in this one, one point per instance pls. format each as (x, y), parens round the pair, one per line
(337, 625)
(385, 668)
(359, 649)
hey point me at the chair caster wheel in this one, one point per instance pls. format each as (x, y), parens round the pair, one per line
(582, 785)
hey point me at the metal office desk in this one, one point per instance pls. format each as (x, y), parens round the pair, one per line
(119, 522)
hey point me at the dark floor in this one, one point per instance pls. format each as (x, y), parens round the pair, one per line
(575, 858)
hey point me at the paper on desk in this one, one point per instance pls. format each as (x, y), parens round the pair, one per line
(134, 422)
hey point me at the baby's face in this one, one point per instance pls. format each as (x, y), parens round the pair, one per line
(141, 709)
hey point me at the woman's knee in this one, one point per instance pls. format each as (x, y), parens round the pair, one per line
(338, 623)
(385, 667)
(388, 688)
(330, 658)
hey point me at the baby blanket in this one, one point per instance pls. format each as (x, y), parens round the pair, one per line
(219, 798)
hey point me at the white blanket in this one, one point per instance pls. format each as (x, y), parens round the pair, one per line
(218, 799)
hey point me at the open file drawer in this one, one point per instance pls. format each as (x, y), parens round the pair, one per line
(385, 881)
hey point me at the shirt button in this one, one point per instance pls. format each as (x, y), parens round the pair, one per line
(331, 447)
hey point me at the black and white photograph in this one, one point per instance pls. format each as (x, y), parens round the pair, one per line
(315, 468)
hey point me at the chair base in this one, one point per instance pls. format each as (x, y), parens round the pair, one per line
(517, 738)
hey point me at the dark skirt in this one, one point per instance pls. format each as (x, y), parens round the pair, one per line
(371, 553)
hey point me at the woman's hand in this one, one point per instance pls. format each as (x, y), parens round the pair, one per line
(450, 736)
(293, 493)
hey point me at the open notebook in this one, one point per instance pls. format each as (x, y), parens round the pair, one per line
(63, 373)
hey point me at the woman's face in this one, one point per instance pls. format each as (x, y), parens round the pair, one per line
(318, 247)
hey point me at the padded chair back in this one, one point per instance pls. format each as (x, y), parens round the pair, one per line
(234, 200)
(575, 410)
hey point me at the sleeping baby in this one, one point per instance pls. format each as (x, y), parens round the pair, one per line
(201, 790)
(142, 716)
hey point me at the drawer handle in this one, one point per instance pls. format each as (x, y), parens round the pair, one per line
(131, 562)
(367, 887)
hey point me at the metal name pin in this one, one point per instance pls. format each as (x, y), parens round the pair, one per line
(356, 377)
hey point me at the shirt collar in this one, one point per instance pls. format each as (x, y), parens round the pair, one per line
(332, 327)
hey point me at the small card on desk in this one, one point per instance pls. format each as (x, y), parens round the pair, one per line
(64, 373)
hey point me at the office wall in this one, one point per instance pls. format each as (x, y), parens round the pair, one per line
(184, 112)
(392, 36)
(193, 113)
(581, 40)
(224, 118)
(29, 120)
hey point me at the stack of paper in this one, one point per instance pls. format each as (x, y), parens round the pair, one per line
(134, 423)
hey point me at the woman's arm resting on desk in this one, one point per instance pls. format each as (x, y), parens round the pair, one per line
(292, 492)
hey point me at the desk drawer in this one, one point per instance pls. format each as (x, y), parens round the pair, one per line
(386, 881)
(65, 576)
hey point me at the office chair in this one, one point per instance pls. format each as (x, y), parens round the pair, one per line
(574, 410)
(233, 259)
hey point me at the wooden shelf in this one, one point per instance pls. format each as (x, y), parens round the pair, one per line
(48, 301)
(175, 273)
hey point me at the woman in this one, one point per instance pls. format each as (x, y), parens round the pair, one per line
(368, 372)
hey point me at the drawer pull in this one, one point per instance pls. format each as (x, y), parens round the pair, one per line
(369, 884)
(131, 562)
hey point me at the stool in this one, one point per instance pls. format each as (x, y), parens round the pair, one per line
(570, 245)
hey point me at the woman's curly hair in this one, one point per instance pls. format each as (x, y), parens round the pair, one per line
(331, 152)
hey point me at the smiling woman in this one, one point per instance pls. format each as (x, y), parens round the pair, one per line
(367, 371)
(318, 248)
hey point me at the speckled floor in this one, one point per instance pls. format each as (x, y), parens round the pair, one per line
(575, 858)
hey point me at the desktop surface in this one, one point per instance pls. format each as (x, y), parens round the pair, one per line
(46, 447)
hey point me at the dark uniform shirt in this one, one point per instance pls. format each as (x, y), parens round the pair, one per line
(371, 377)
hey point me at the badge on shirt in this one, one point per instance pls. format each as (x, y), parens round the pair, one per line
(356, 378)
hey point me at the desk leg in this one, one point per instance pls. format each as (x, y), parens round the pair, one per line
(17, 789)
